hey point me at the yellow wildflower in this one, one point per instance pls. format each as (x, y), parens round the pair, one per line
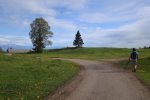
(38, 96)
(8, 98)
(21, 98)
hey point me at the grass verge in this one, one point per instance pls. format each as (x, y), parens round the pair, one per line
(143, 70)
(32, 78)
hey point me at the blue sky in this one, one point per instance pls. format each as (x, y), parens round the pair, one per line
(102, 23)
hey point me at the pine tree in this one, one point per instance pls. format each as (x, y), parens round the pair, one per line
(78, 42)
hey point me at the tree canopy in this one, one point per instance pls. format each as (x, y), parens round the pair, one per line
(40, 34)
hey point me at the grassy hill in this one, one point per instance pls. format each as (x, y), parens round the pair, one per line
(95, 53)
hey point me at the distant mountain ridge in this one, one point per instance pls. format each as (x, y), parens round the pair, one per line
(19, 47)
(15, 47)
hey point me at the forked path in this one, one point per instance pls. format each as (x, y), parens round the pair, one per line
(103, 81)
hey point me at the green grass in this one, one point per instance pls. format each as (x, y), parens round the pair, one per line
(108, 53)
(143, 70)
(29, 76)
(89, 53)
(95, 53)
(32, 78)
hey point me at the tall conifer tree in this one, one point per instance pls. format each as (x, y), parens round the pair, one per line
(78, 42)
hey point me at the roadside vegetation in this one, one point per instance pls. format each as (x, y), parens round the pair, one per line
(143, 70)
(31, 77)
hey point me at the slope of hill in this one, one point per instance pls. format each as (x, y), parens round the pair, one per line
(95, 53)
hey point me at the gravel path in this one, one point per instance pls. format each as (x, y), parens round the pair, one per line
(104, 81)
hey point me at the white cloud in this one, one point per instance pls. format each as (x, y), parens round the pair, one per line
(18, 7)
(117, 11)
(22, 41)
(75, 4)
(20, 11)
(85, 15)
(59, 23)
(44, 7)
(144, 12)
(130, 35)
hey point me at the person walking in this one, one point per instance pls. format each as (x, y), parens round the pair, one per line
(134, 58)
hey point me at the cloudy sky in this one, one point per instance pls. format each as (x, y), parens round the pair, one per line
(102, 23)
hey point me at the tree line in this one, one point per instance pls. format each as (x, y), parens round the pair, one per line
(40, 35)
(146, 47)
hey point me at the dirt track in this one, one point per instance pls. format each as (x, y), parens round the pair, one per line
(103, 81)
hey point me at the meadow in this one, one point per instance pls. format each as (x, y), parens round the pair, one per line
(32, 77)
(95, 53)
(35, 76)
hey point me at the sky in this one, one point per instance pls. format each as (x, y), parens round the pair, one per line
(102, 23)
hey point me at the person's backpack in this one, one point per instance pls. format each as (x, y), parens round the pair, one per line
(134, 55)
